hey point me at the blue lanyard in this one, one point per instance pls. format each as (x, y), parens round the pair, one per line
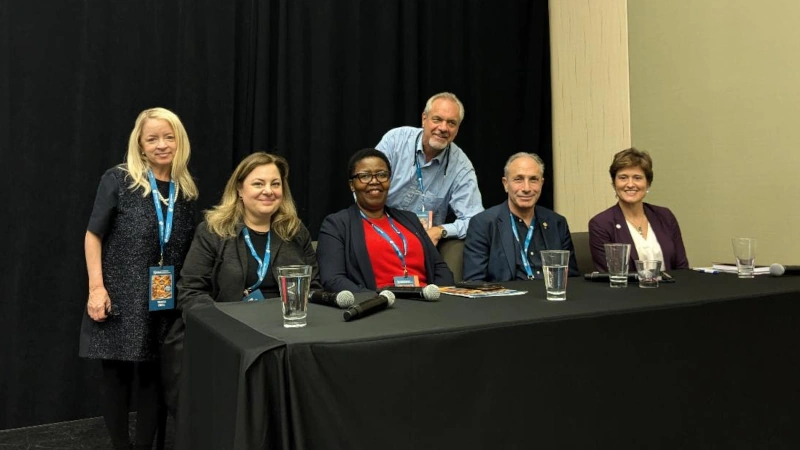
(419, 173)
(164, 228)
(416, 164)
(401, 256)
(262, 265)
(524, 250)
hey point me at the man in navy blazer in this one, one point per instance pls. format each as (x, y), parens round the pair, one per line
(501, 236)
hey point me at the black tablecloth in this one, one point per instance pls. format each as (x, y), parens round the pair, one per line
(709, 361)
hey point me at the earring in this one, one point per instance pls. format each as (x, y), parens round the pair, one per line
(354, 197)
(647, 191)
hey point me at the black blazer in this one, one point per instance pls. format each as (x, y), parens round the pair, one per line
(214, 271)
(344, 263)
(215, 268)
(490, 250)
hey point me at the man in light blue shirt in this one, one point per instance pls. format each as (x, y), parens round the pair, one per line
(430, 173)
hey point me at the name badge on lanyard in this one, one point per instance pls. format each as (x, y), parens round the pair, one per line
(405, 279)
(253, 293)
(162, 288)
(425, 218)
(162, 278)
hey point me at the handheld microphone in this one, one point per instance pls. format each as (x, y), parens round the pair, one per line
(368, 307)
(777, 270)
(429, 293)
(341, 299)
(600, 276)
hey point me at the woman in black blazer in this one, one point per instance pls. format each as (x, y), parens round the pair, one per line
(220, 266)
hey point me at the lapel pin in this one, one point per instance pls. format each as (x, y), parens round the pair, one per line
(544, 224)
(619, 226)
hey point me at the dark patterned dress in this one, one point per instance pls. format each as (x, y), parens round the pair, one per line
(128, 226)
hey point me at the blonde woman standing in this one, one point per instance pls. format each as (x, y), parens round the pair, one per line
(142, 221)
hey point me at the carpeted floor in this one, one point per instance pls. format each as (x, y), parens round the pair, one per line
(86, 434)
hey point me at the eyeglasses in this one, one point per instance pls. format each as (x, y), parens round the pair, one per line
(366, 177)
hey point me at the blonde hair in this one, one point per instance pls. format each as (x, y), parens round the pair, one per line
(223, 218)
(138, 165)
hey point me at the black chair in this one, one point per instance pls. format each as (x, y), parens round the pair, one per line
(583, 253)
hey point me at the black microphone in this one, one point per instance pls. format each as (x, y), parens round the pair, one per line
(429, 292)
(777, 270)
(368, 307)
(342, 299)
(601, 276)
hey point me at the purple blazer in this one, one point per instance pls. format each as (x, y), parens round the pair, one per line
(609, 227)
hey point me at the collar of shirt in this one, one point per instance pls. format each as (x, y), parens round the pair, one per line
(421, 157)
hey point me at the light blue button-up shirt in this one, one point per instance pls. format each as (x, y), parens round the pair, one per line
(448, 180)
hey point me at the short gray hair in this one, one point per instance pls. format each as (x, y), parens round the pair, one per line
(449, 96)
(532, 156)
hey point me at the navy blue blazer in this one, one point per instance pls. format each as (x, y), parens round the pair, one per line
(491, 251)
(610, 227)
(344, 263)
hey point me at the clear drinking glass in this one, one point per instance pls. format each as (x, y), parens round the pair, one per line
(556, 270)
(649, 272)
(617, 256)
(744, 250)
(295, 285)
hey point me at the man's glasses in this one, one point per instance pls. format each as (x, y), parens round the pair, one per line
(366, 177)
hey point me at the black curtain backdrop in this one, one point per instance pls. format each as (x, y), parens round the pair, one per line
(313, 80)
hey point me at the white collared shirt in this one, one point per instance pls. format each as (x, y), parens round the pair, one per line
(648, 249)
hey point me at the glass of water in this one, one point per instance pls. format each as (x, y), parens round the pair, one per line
(556, 269)
(294, 283)
(649, 272)
(617, 256)
(744, 249)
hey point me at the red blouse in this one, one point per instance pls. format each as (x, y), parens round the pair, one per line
(385, 263)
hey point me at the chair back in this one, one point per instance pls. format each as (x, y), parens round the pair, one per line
(452, 251)
(583, 253)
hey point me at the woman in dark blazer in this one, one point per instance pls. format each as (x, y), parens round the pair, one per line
(257, 206)
(364, 247)
(652, 231)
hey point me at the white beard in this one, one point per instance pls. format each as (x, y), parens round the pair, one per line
(436, 143)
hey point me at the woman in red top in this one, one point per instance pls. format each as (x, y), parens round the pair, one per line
(369, 245)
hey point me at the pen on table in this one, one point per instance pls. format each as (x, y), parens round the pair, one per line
(699, 269)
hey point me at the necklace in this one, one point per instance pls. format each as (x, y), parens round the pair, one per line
(163, 200)
(639, 227)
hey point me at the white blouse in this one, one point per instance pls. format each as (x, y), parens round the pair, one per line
(648, 249)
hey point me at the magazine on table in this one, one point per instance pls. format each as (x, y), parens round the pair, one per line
(479, 293)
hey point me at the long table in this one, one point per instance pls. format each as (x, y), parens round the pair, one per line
(710, 361)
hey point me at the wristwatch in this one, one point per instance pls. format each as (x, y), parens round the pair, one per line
(444, 233)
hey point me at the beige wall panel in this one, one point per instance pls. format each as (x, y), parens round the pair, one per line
(715, 98)
(591, 107)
